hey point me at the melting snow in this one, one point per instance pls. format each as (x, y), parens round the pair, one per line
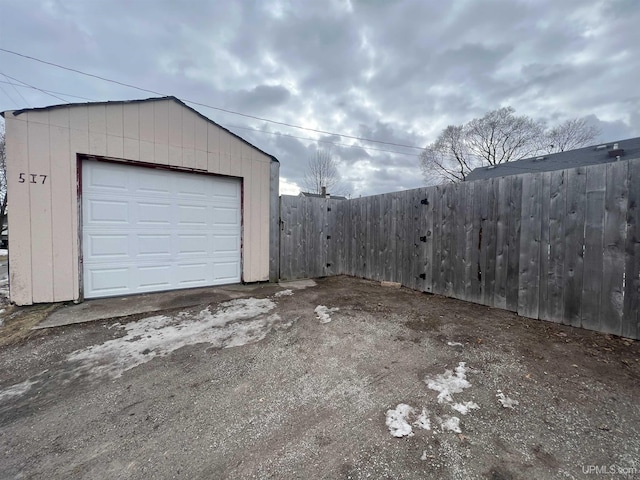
(397, 421)
(283, 293)
(464, 407)
(234, 323)
(450, 423)
(423, 420)
(449, 383)
(454, 344)
(506, 401)
(323, 313)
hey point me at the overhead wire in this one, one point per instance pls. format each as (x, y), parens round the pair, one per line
(193, 102)
(338, 144)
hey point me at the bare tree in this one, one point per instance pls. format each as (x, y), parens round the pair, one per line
(322, 171)
(570, 134)
(448, 157)
(499, 136)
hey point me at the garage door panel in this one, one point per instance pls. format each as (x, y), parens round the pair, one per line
(108, 246)
(191, 215)
(194, 274)
(193, 244)
(150, 230)
(153, 213)
(226, 244)
(226, 216)
(153, 245)
(107, 281)
(102, 178)
(193, 187)
(226, 271)
(156, 276)
(226, 191)
(107, 211)
(154, 183)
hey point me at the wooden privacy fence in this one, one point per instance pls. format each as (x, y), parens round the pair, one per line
(562, 246)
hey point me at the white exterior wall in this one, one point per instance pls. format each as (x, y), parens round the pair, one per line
(44, 250)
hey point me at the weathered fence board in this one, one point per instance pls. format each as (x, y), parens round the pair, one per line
(631, 312)
(574, 245)
(615, 221)
(528, 283)
(593, 247)
(562, 246)
(555, 275)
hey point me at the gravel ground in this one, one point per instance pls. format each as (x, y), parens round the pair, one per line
(276, 393)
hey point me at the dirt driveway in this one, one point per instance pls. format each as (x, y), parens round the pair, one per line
(260, 387)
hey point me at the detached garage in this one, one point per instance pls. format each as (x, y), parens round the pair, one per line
(121, 198)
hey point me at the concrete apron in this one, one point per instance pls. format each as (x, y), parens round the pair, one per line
(115, 307)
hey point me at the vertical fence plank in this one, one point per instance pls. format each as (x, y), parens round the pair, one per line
(459, 249)
(477, 266)
(574, 245)
(436, 253)
(446, 241)
(593, 246)
(502, 243)
(555, 274)
(615, 221)
(427, 218)
(470, 242)
(545, 240)
(631, 324)
(513, 239)
(489, 238)
(411, 239)
(530, 246)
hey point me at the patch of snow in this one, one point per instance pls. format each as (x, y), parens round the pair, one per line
(424, 455)
(234, 323)
(283, 293)
(449, 383)
(324, 313)
(423, 420)
(464, 407)
(506, 401)
(397, 421)
(3, 252)
(16, 390)
(454, 344)
(450, 423)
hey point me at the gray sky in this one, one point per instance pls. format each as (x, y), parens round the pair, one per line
(392, 71)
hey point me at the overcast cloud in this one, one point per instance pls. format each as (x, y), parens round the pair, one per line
(393, 71)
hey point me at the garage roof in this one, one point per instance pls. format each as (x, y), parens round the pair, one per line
(593, 155)
(153, 99)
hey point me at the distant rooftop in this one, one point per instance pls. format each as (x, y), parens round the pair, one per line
(593, 155)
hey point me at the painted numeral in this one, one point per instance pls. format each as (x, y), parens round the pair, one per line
(33, 178)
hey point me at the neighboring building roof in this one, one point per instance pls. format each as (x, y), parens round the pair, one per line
(593, 155)
(319, 195)
(153, 99)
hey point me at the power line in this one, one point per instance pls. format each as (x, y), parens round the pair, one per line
(319, 141)
(324, 132)
(338, 144)
(43, 90)
(47, 93)
(16, 90)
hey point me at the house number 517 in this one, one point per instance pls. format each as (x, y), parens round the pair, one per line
(32, 178)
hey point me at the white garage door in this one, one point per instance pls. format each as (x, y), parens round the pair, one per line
(150, 230)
